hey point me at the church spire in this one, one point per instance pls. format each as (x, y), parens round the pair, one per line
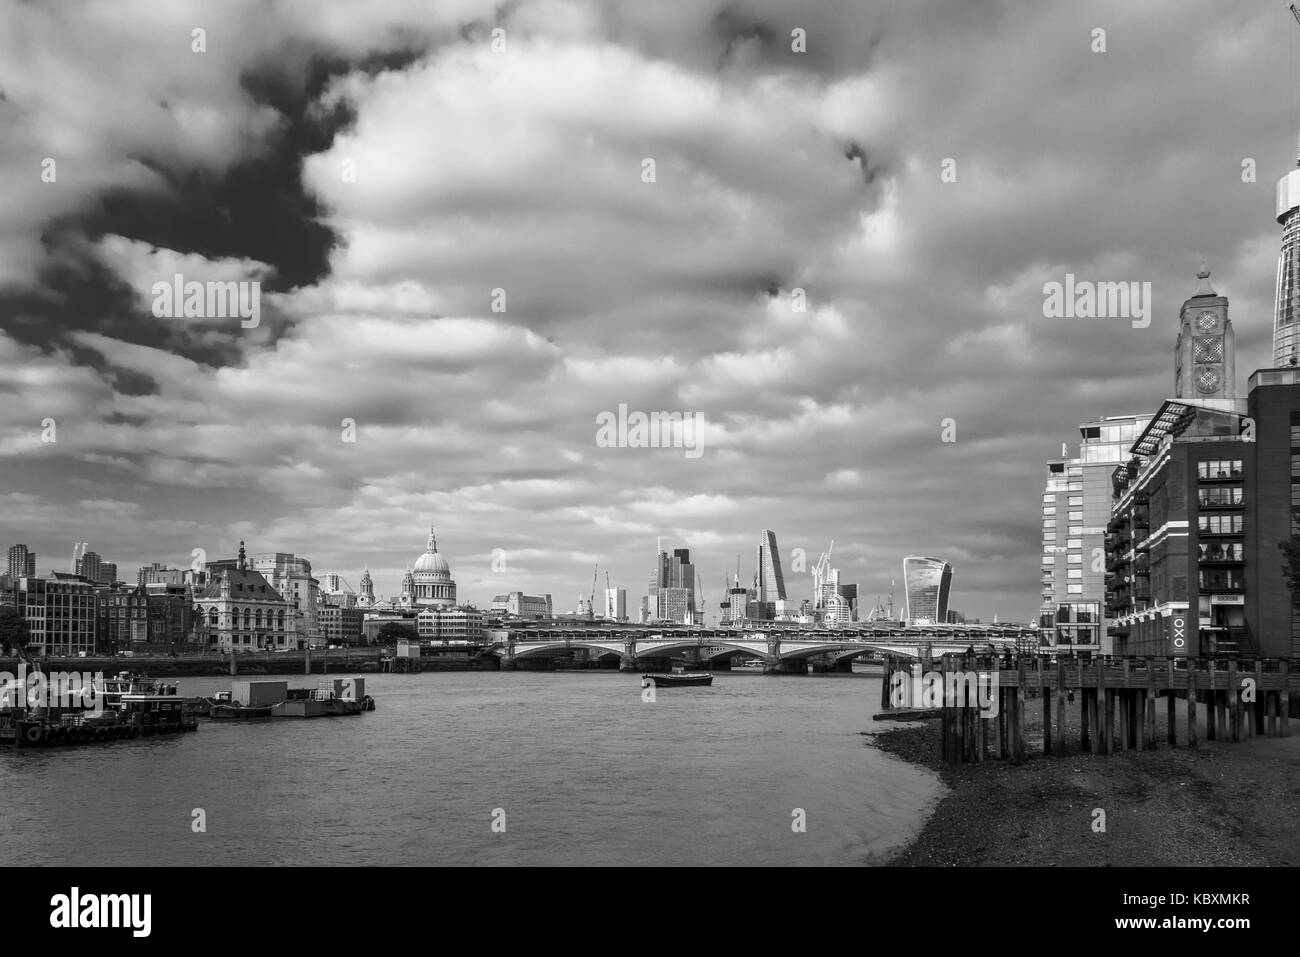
(432, 544)
(243, 559)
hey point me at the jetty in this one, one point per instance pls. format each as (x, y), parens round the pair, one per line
(981, 701)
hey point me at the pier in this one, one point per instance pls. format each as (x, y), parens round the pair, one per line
(1114, 698)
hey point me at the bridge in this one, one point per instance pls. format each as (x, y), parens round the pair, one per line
(782, 650)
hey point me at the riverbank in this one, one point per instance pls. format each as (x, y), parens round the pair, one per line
(1220, 805)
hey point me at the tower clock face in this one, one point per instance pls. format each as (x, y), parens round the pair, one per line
(1206, 321)
(1208, 349)
(1207, 380)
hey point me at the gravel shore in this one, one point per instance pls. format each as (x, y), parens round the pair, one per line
(1216, 805)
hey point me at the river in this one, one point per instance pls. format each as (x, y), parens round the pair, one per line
(573, 768)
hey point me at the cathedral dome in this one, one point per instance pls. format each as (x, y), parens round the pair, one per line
(429, 582)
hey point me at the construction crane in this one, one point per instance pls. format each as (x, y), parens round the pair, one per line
(609, 611)
(591, 603)
(1295, 13)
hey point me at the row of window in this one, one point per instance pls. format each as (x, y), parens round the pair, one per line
(1076, 559)
(1222, 553)
(272, 619)
(1220, 496)
(1219, 524)
(1219, 468)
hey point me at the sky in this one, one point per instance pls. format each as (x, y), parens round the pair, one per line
(833, 268)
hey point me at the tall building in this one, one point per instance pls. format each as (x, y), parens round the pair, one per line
(157, 573)
(616, 604)
(1076, 509)
(291, 576)
(340, 624)
(1286, 309)
(88, 566)
(22, 562)
(1184, 507)
(107, 573)
(337, 592)
(60, 612)
(672, 587)
(239, 610)
(769, 582)
(926, 582)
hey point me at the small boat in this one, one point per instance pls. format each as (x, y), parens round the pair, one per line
(679, 681)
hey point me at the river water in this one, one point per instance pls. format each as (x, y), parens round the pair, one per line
(575, 767)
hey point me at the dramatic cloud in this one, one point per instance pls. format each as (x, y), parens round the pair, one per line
(471, 244)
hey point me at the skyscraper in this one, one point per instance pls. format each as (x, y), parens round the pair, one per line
(926, 582)
(770, 583)
(88, 565)
(672, 587)
(1286, 310)
(22, 562)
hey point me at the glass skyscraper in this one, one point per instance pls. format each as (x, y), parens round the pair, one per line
(926, 582)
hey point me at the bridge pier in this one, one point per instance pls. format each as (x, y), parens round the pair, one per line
(509, 664)
(827, 665)
(786, 666)
(628, 663)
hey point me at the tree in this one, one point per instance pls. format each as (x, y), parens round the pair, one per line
(391, 631)
(14, 631)
(1291, 558)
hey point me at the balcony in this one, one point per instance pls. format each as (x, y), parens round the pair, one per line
(1215, 499)
(1221, 583)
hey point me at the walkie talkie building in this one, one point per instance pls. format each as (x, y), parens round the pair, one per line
(926, 582)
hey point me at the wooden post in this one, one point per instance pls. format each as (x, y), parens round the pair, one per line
(1149, 700)
(1191, 702)
(1047, 713)
(1108, 738)
(1018, 718)
(1257, 710)
(1171, 704)
(1234, 715)
(1059, 742)
(1270, 714)
(1284, 703)
(1004, 702)
(1101, 710)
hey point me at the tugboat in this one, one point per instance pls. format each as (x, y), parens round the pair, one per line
(678, 681)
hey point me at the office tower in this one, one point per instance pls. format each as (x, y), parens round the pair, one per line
(616, 604)
(88, 566)
(672, 586)
(926, 582)
(22, 562)
(1076, 507)
(1286, 308)
(770, 581)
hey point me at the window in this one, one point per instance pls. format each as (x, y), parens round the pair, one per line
(1075, 516)
(1222, 551)
(1049, 537)
(1074, 559)
(1220, 496)
(1049, 523)
(1076, 500)
(1049, 509)
(1074, 543)
(1074, 471)
(1219, 524)
(1219, 469)
(1074, 589)
(1074, 573)
(1074, 487)
(1049, 559)
(1049, 499)
(1076, 530)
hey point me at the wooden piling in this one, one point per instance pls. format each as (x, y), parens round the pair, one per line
(1101, 705)
(1192, 694)
(1234, 714)
(1149, 702)
(1018, 721)
(1284, 702)
(1108, 738)
(1059, 734)
(1171, 705)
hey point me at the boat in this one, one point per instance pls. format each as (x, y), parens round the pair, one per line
(234, 711)
(679, 681)
(324, 702)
